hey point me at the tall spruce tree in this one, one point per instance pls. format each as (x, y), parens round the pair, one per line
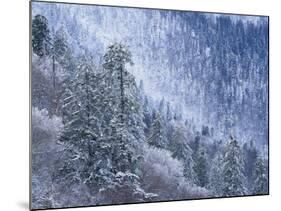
(147, 116)
(200, 167)
(157, 136)
(123, 92)
(85, 149)
(233, 179)
(215, 181)
(56, 48)
(41, 39)
(60, 46)
(260, 185)
(181, 150)
(169, 115)
(251, 154)
(60, 53)
(125, 126)
(81, 105)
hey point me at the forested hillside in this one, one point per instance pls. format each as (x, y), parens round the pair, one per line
(134, 105)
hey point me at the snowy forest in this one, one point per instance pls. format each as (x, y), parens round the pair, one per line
(135, 105)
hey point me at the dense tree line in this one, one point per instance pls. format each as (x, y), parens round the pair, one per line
(109, 142)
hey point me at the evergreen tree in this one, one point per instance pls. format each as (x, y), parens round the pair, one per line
(169, 114)
(215, 181)
(181, 150)
(147, 116)
(41, 90)
(41, 38)
(60, 47)
(57, 48)
(124, 93)
(85, 149)
(196, 143)
(157, 136)
(233, 179)
(260, 178)
(178, 113)
(125, 127)
(205, 131)
(82, 107)
(170, 129)
(60, 53)
(250, 153)
(200, 167)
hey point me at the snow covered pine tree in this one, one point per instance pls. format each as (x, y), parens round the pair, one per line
(182, 151)
(126, 128)
(260, 177)
(233, 178)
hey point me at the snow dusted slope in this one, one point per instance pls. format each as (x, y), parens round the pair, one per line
(212, 67)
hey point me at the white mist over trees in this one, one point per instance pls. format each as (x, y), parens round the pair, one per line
(126, 116)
